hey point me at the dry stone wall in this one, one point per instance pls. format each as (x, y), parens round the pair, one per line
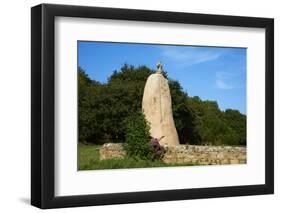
(112, 151)
(205, 155)
(193, 154)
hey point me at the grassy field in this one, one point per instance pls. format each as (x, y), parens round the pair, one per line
(88, 159)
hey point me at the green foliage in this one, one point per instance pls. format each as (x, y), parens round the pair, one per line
(183, 116)
(237, 122)
(216, 127)
(88, 120)
(137, 137)
(104, 110)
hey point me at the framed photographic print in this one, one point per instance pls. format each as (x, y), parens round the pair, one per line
(139, 106)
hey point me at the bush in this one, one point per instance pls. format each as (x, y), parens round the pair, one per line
(158, 150)
(137, 137)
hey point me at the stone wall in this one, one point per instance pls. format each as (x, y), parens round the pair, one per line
(205, 155)
(112, 151)
(202, 155)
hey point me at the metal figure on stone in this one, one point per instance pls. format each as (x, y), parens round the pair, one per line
(159, 67)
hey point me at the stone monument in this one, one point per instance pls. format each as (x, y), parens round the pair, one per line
(157, 108)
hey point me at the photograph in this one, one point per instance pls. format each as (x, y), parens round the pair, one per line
(132, 105)
(160, 105)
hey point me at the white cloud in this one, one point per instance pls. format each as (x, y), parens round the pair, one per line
(189, 56)
(221, 84)
(228, 80)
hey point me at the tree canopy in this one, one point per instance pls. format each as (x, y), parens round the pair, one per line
(105, 108)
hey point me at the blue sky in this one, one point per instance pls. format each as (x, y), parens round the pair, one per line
(212, 73)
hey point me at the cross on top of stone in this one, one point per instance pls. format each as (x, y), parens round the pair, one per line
(159, 67)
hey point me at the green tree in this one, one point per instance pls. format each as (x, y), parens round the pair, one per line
(124, 97)
(88, 124)
(183, 117)
(237, 122)
(104, 110)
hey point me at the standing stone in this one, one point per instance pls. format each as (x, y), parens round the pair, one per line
(157, 108)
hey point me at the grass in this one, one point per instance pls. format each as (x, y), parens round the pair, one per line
(88, 159)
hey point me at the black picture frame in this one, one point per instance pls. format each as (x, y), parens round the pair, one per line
(43, 102)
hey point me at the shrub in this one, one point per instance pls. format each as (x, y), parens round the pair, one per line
(137, 137)
(158, 150)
